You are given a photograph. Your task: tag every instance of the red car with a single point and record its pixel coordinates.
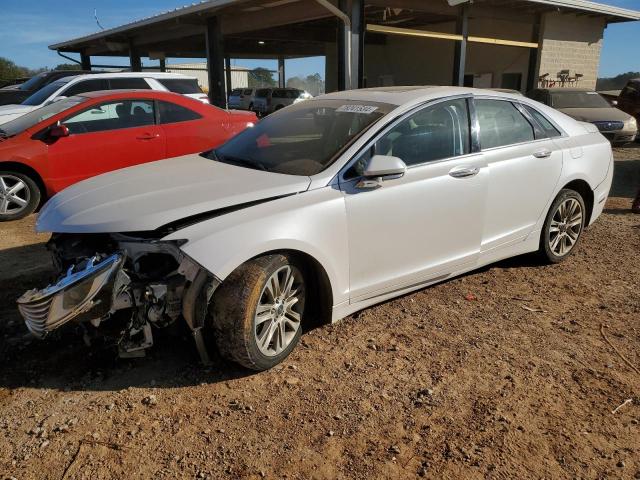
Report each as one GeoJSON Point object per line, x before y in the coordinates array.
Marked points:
{"type": "Point", "coordinates": [64, 142]}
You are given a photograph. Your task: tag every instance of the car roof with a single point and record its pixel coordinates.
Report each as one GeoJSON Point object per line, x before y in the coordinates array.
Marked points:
{"type": "Point", "coordinates": [131, 93]}
{"type": "Point", "coordinates": [401, 95]}
{"type": "Point", "coordinates": [158, 75]}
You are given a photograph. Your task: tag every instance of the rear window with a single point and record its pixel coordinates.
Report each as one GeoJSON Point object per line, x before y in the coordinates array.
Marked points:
{"type": "Point", "coordinates": [41, 95]}
{"type": "Point", "coordinates": [262, 93]}
{"type": "Point", "coordinates": [172, 113]}
{"type": "Point", "coordinates": [129, 84]}
{"type": "Point", "coordinates": [184, 86]}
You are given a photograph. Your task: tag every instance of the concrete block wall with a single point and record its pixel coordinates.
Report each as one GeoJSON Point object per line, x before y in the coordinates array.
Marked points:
{"type": "Point", "coordinates": [571, 42]}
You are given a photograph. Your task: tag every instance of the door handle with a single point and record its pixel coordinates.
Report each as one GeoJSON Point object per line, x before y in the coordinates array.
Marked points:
{"type": "Point", "coordinates": [147, 136]}
{"type": "Point", "coordinates": [544, 153]}
{"type": "Point", "coordinates": [463, 172]}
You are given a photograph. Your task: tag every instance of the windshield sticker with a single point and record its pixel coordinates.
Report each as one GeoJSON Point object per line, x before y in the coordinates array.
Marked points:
{"type": "Point", "coordinates": [366, 109]}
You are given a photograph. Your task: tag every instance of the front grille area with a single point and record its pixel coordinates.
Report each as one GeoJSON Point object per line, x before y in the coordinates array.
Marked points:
{"type": "Point", "coordinates": [606, 126]}
{"type": "Point", "coordinates": [35, 316]}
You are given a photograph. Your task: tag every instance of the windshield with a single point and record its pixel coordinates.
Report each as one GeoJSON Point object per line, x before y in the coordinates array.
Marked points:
{"type": "Point", "coordinates": [41, 95]}
{"type": "Point", "coordinates": [32, 82]}
{"type": "Point", "coordinates": [578, 100]}
{"type": "Point", "coordinates": [38, 115]}
{"type": "Point", "coordinates": [303, 139]}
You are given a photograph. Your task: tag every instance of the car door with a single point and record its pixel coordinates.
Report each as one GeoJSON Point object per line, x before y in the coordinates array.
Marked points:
{"type": "Point", "coordinates": [187, 131]}
{"type": "Point", "coordinates": [105, 137]}
{"type": "Point", "coordinates": [524, 166]}
{"type": "Point", "coordinates": [427, 223]}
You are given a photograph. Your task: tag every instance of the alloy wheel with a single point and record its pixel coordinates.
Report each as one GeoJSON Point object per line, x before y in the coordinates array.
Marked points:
{"type": "Point", "coordinates": [14, 195]}
{"type": "Point", "coordinates": [565, 228]}
{"type": "Point", "coordinates": [279, 312]}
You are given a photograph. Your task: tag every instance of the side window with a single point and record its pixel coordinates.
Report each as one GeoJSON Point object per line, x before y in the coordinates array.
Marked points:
{"type": "Point", "coordinates": [129, 83]}
{"type": "Point", "coordinates": [434, 133]}
{"type": "Point", "coordinates": [112, 116]}
{"type": "Point", "coordinates": [172, 113]}
{"type": "Point", "coordinates": [544, 122]}
{"type": "Point", "coordinates": [502, 124]}
{"type": "Point", "coordinates": [86, 86]}
{"type": "Point", "coordinates": [248, 91]}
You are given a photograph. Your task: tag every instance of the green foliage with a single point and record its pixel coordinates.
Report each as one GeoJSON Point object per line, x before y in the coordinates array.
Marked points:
{"type": "Point", "coordinates": [616, 83]}
{"type": "Point", "coordinates": [67, 66]}
{"type": "Point", "coordinates": [261, 78]}
{"type": "Point", "coordinates": [10, 71]}
{"type": "Point", "coordinates": [311, 83]}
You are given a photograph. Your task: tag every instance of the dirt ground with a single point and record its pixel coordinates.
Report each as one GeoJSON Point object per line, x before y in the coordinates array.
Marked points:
{"type": "Point", "coordinates": [503, 373]}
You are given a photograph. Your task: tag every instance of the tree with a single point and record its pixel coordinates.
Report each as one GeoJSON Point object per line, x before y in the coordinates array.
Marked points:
{"type": "Point", "coordinates": [10, 71]}
{"type": "Point", "coordinates": [311, 83]}
{"type": "Point", "coordinates": [616, 83]}
{"type": "Point", "coordinates": [67, 66]}
{"type": "Point", "coordinates": [261, 77]}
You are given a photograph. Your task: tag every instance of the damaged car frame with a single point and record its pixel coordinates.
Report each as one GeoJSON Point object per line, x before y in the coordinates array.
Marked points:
{"type": "Point", "coordinates": [322, 209]}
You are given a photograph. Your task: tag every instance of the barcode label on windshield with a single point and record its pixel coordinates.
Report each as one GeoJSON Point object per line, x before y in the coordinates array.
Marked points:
{"type": "Point", "coordinates": [357, 109]}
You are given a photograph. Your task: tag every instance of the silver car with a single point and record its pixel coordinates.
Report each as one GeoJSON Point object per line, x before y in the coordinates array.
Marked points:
{"type": "Point", "coordinates": [242, 98]}
{"type": "Point", "coordinates": [320, 210]}
{"type": "Point", "coordinates": [268, 100]}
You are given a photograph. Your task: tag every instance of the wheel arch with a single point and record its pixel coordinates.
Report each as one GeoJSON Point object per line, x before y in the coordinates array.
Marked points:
{"type": "Point", "coordinates": [584, 189]}
{"type": "Point", "coordinates": [320, 284]}
{"type": "Point", "coordinates": [26, 170]}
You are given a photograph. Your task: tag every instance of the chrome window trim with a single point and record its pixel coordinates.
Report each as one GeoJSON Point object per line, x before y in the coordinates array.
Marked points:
{"type": "Point", "coordinates": [398, 119]}
{"type": "Point", "coordinates": [563, 134]}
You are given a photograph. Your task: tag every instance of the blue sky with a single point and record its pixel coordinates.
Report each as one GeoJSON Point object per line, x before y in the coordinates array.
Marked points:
{"type": "Point", "coordinates": [27, 27]}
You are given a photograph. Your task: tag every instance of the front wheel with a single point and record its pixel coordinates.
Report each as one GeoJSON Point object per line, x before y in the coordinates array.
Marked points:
{"type": "Point", "coordinates": [19, 196]}
{"type": "Point", "coordinates": [563, 226]}
{"type": "Point", "coordinates": [258, 310]}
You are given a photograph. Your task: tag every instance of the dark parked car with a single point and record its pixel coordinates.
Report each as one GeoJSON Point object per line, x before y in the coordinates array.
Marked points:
{"type": "Point", "coordinates": [589, 106]}
{"type": "Point", "coordinates": [629, 98]}
{"type": "Point", "coordinates": [15, 94]}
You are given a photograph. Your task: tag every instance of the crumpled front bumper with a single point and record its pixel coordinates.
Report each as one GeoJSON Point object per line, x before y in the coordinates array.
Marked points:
{"type": "Point", "coordinates": [74, 294]}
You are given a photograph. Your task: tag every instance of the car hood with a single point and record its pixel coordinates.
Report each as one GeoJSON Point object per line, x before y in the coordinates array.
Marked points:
{"type": "Point", "coordinates": [147, 197]}
{"type": "Point", "coordinates": [596, 114]}
{"type": "Point", "coordinates": [9, 112]}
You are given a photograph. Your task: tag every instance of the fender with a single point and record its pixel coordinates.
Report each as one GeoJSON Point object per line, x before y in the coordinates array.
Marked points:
{"type": "Point", "coordinates": [312, 222]}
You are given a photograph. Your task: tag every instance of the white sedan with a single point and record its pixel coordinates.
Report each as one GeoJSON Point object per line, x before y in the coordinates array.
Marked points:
{"type": "Point", "coordinates": [322, 209]}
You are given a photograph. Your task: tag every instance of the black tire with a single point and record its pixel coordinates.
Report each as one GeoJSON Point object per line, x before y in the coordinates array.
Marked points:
{"type": "Point", "coordinates": [547, 246]}
{"type": "Point", "coordinates": [30, 193]}
{"type": "Point", "coordinates": [233, 313]}
{"type": "Point", "coordinates": [279, 107]}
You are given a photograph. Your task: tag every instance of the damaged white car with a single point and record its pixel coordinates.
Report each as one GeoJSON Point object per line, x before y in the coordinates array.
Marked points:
{"type": "Point", "coordinates": [322, 209]}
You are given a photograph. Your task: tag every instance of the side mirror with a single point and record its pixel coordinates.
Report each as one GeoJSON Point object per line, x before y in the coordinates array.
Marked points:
{"type": "Point", "coordinates": [379, 168]}
{"type": "Point", "coordinates": [59, 131]}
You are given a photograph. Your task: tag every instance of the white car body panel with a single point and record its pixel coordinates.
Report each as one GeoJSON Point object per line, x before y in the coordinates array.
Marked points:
{"type": "Point", "coordinates": [411, 232]}
{"type": "Point", "coordinates": [146, 197]}
{"type": "Point", "coordinates": [11, 112]}
{"type": "Point", "coordinates": [390, 226]}
{"type": "Point", "coordinates": [313, 223]}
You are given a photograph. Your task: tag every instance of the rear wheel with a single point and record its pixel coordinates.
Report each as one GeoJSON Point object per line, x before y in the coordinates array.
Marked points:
{"type": "Point", "coordinates": [19, 196]}
{"type": "Point", "coordinates": [258, 310]}
{"type": "Point", "coordinates": [563, 226]}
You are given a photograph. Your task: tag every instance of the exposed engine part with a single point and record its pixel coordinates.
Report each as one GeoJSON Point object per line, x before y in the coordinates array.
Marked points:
{"type": "Point", "coordinates": [147, 283]}
{"type": "Point", "coordinates": [136, 343]}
